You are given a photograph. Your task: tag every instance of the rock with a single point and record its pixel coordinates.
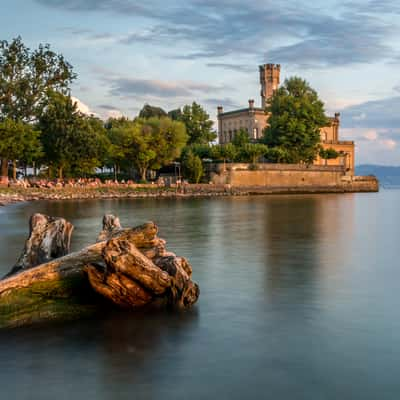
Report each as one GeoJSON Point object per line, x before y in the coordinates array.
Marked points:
{"type": "Point", "coordinates": [131, 269]}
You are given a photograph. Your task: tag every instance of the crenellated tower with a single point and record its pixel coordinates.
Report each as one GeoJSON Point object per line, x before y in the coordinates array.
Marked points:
{"type": "Point", "coordinates": [269, 79]}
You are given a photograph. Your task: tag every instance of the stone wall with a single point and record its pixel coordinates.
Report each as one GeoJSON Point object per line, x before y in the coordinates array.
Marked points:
{"type": "Point", "coordinates": [291, 177]}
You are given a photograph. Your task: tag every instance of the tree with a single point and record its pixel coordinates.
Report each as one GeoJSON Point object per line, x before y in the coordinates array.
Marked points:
{"type": "Point", "coordinates": [224, 152]}
{"type": "Point", "coordinates": [204, 151]}
{"type": "Point", "coordinates": [253, 151]}
{"type": "Point", "coordinates": [198, 124]}
{"type": "Point", "coordinates": [328, 154]}
{"type": "Point", "coordinates": [72, 142]}
{"type": "Point", "coordinates": [119, 140]}
{"type": "Point", "coordinates": [241, 138]}
{"type": "Point", "coordinates": [148, 143]}
{"type": "Point", "coordinates": [18, 141]}
{"type": "Point", "coordinates": [277, 155]}
{"type": "Point", "coordinates": [175, 114]}
{"type": "Point", "coordinates": [296, 116]}
{"type": "Point", "coordinates": [192, 167]}
{"type": "Point", "coordinates": [26, 79]}
{"type": "Point", "coordinates": [169, 138]}
{"type": "Point", "coordinates": [92, 145]}
{"type": "Point", "coordinates": [149, 111]}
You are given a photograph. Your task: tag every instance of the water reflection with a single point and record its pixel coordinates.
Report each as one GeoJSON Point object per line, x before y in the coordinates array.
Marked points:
{"type": "Point", "coordinates": [292, 244]}
{"type": "Point", "coordinates": [298, 300]}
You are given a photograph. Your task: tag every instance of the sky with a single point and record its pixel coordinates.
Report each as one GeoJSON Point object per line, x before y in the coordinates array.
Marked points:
{"type": "Point", "coordinates": [128, 53]}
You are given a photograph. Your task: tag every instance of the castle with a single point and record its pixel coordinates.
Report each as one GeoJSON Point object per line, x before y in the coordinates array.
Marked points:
{"type": "Point", "coordinates": [254, 120]}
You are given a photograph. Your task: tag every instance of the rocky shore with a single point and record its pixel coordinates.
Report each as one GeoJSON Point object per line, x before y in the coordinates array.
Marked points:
{"type": "Point", "coordinates": [15, 195]}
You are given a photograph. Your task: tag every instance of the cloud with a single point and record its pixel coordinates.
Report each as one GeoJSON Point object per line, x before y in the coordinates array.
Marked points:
{"type": "Point", "coordinates": [389, 144]}
{"type": "Point", "coordinates": [303, 36]}
{"type": "Point", "coordinates": [109, 111]}
{"type": "Point", "coordinates": [225, 102]}
{"type": "Point", "coordinates": [371, 135]}
{"type": "Point", "coordinates": [107, 107]}
{"type": "Point", "coordinates": [360, 117]}
{"type": "Point", "coordinates": [374, 146]}
{"type": "Point", "coordinates": [383, 113]}
{"type": "Point", "coordinates": [375, 6]}
{"type": "Point", "coordinates": [129, 87]}
{"type": "Point", "coordinates": [115, 6]}
{"type": "Point", "coordinates": [232, 67]}
{"type": "Point", "coordinates": [337, 41]}
{"type": "Point", "coordinates": [82, 107]}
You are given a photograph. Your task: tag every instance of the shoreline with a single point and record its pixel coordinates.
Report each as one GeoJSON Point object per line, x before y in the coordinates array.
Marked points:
{"type": "Point", "coordinates": [12, 195]}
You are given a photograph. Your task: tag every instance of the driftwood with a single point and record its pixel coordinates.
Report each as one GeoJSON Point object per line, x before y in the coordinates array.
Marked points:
{"type": "Point", "coordinates": [131, 268]}
{"type": "Point", "coordinates": [49, 238]}
{"type": "Point", "coordinates": [111, 227]}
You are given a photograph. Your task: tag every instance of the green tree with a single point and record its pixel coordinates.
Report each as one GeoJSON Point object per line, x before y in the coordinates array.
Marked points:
{"type": "Point", "coordinates": [224, 152]}
{"type": "Point", "coordinates": [119, 138]}
{"type": "Point", "coordinates": [18, 141]}
{"type": "Point", "coordinates": [202, 150]}
{"type": "Point", "coordinates": [26, 79]}
{"type": "Point", "coordinates": [94, 152]}
{"type": "Point", "coordinates": [72, 142]}
{"type": "Point", "coordinates": [296, 116]}
{"type": "Point", "coordinates": [198, 124]}
{"type": "Point", "coordinates": [192, 167]}
{"type": "Point", "coordinates": [328, 154]}
{"type": "Point", "coordinates": [277, 155]}
{"type": "Point", "coordinates": [148, 143]}
{"type": "Point", "coordinates": [253, 151]}
{"type": "Point", "coordinates": [175, 115]}
{"type": "Point", "coordinates": [149, 111]}
{"type": "Point", "coordinates": [241, 138]}
{"type": "Point", "coordinates": [170, 138]}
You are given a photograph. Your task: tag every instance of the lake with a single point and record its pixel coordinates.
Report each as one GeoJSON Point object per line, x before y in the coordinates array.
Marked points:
{"type": "Point", "coordinates": [299, 300]}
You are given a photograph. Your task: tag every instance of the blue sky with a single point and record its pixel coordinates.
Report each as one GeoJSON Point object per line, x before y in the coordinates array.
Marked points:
{"type": "Point", "coordinates": [170, 53]}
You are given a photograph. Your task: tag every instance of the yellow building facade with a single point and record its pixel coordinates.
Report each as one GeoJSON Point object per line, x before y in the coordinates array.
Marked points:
{"type": "Point", "coordinates": [254, 120]}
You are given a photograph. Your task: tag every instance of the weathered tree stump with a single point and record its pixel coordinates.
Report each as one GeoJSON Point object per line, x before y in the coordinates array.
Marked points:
{"type": "Point", "coordinates": [130, 269]}
{"type": "Point", "coordinates": [111, 227]}
{"type": "Point", "coordinates": [49, 238]}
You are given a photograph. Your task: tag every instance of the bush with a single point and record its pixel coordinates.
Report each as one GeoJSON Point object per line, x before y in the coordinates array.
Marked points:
{"type": "Point", "coordinates": [192, 167]}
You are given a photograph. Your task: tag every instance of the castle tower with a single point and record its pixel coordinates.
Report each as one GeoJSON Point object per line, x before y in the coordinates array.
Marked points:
{"type": "Point", "coordinates": [269, 79]}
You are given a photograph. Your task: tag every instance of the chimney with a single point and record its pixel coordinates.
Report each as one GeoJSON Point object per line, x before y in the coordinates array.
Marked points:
{"type": "Point", "coordinates": [251, 103]}
{"type": "Point", "coordinates": [337, 115]}
{"type": "Point", "coordinates": [220, 109]}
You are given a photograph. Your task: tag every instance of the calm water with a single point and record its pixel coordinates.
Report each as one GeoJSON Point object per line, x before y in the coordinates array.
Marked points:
{"type": "Point", "coordinates": [299, 300]}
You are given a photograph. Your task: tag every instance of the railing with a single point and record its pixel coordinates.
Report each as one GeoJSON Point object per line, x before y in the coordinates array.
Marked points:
{"type": "Point", "coordinates": [348, 142]}
{"type": "Point", "coordinates": [274, 167]}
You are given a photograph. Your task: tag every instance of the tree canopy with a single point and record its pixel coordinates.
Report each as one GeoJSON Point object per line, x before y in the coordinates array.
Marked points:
{"type": "Point", "coordinates": [149, 111]}
{"type": "Point", "coordinates": [148, 143]}
{"type": "Point", "coordinates": [296, 116]}
{"type": "Point", "coordinates": [72, 141]}
{"type": "Point", "coordinates": [198, 124]}
{"type": "Point", "coordinates": [241, 138]}
{"type": "Point", "coordinates": [19, 141]}
{"type": "Point", "coordinates": [192, 166]}
{"type": "Point", "coordinates": [27, 77]}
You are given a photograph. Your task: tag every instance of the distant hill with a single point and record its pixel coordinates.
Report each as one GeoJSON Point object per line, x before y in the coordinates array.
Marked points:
{"type": "Point", "coordinates": [388, 176]}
